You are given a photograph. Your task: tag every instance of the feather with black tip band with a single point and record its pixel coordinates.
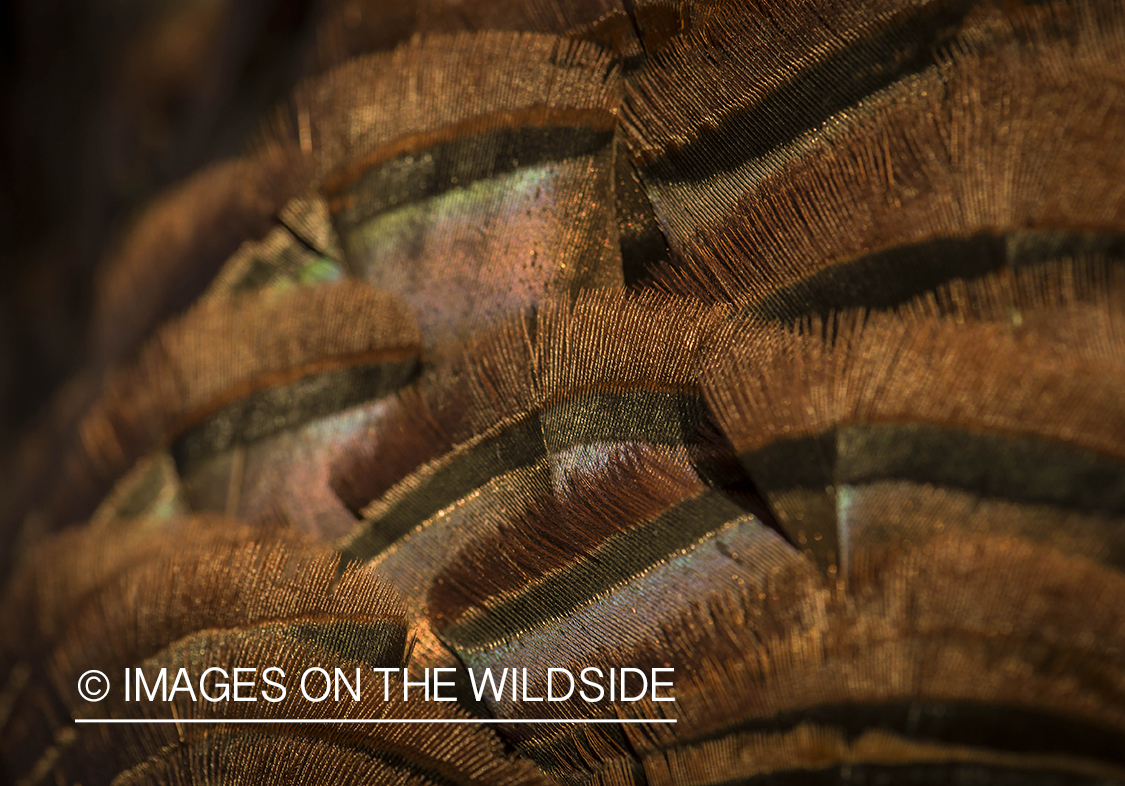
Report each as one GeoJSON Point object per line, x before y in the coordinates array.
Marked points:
{"type": "Point", "coordinates": [858, 481]}
{"type": "Point", "coordinates": [492, 172]}
{"type": "Point", "coordinates": [538, 405]}
{"type": "Point", "coordinates": [229, 374]}
{"type": "Point", "coordinates": [590, 577]}
{"type": "Point", "coordinates": [200, 594]}
{"type": "Point", "coordinates": [957, 661]}
{"type": "Point", "coordinates": [1009, 420]}
{"type": "Point", "coordinates": [879, 153]}
{"type": "Point", "coordinates": [153, 273]}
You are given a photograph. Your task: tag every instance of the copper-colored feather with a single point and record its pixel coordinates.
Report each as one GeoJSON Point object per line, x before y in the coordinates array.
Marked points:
{"type": "Point", "coordinates": [778, 344]}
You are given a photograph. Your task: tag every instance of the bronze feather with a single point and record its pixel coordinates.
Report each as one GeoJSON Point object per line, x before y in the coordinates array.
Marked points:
{"type": "Point", "coordinates": [777, 346]}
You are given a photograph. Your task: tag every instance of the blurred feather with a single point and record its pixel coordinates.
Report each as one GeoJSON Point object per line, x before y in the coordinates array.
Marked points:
{"type": "Point", "coordinates": [777, 344]}
{"type": "Point", "coordinates": [228, 374]}
{"type": "Point", "coordinates": [196, 594]}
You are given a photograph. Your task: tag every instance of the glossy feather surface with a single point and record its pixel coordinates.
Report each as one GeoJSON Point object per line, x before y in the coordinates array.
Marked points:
{"type": "Point", "coordinates": [780, 345]}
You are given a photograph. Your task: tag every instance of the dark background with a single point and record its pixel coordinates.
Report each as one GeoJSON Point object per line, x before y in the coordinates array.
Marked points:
{"type": "Point", "coordinates": [107, 102]}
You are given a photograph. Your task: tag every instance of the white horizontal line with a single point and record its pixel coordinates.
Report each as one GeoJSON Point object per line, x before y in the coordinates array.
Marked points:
{"type": "Point", "coordinates": [371, 720]}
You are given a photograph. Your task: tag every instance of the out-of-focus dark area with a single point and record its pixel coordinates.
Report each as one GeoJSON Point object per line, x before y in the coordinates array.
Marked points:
{"type": "Point", "coordinates": [106, 103]}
